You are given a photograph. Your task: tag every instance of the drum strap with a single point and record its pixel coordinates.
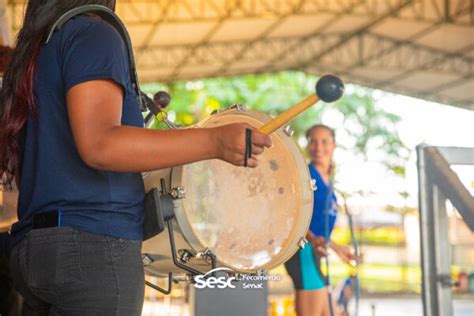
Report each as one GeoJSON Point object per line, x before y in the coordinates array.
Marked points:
{"type": "Point", "coordinates": [354, 245]}
{"type": "Point", "coordinates": [108, 15]}
{"type": "Point", "coordinates": [326, 244]}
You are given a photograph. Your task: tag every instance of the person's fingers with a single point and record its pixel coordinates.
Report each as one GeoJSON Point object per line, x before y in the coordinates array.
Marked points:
{"type": "Point", "coordinates": [238, 160]}
{"type": "Point", "coordinates": [261, 140]}
{"type": "Point", "coordinates": [252, 162]}
{"type": "Point", "coordinates": [349, 254]}
{"type": "Point", "coordinates": [256, 150]}
{"type": "Point", "coordinates": [319, 241]}
{"type": "Point", "coordinates": [320, 249]}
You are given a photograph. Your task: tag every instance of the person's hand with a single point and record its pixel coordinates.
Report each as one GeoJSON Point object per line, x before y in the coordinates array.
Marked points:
{"type": "Point", "coordinates": [319, 247]}
{"type": "Point", "coordinates": [230, 144]}
{"type": "Point", "coordinates": [345, 253]}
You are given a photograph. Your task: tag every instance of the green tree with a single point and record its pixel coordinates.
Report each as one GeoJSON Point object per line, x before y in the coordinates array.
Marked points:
{"type": "Point", "coordinates": [369, 127]}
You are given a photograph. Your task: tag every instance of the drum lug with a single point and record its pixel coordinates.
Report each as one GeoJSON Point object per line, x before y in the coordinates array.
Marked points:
{"type": "Point", "coordinates": [289, 131]}
{"type": "Point", "coordinates": [215, 112]}
{"type": "Point", "coordinates": [178, 193]}
{"type": "Point", "coordinates": [200, 255]}
{"type": "Point", "coordinates": [146, 260]}
{"type": "Point", "coordinates": [302, 242]}
{"type": "Point", "coordinates": [185, 255]}
{"type": "Point", "coordinates": [312, 184]}
{"type": "Point", "coordinates": [205, 255]}
{"type": "Point", "coordinates": [238, 107]}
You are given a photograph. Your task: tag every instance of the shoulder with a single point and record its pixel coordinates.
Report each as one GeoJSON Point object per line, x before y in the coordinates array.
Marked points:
{"type": "Point", "coordinates": [89, 48]}
{"type": "Point", "coordinates": [92, 29]}
{"type": "Point", "coordinates": [84, 23]}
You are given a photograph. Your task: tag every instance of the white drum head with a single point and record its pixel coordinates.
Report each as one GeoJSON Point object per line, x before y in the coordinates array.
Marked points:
{"type": "Point", "coordinates": [245, 216]}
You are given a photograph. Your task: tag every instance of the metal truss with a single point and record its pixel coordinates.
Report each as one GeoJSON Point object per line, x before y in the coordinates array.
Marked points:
{"type": "Point", "coordinates": [391, 54]}
{"type": "Point", "coordinates": [364, 49]}
{"type": "Point", "coordinates": [406, 53]}
{"type": "Point", "coordinates": [432, 95]}
{"type": "Point", "coordinates": [340, 53]}
{"type": "Point", "coordinates": [403, 58]}
{"type": "Point", "coordinates": [146, 12]}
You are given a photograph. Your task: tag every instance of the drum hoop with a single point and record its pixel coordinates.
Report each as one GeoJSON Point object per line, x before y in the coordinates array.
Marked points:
{"type": "Point", "coordinates": [291, 244]}
{"type": "Point", "coordinates": [180, 213]}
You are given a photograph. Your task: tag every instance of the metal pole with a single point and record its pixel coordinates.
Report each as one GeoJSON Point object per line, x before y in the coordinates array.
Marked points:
{"type": "Point", "coordinates": [427, 272]}
{"type": "Point", "coordinates": [441, 174]}
{"type": "Point", "coordinates": [437, 183]}
{"type": "Point", "coordinates": [442, 254]}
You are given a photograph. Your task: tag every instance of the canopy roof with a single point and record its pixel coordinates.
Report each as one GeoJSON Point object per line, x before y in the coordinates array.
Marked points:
{"type": "Point", "coordinates": [420, 48]}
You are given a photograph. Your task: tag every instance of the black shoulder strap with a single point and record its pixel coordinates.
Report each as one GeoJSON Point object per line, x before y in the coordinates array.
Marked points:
{"type": "Point", "coordinates": [112, 18]}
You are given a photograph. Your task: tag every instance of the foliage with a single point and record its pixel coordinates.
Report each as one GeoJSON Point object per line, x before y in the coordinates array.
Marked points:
{"type": "Point", "coordinates": [383, 236]}
{"type": "Point", "coordinates": [382, 278]}
{"type": "Point", "coordinates": [367, 126]}
{"type": "Point", "coordinates": [404, 210]}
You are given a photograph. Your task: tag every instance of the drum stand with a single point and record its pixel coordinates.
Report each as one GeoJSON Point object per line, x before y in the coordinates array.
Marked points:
{"type": "Point", "coordinates": [162, 204]}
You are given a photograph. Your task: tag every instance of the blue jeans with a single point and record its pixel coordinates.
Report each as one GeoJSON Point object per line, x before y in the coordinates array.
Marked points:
{"type": "Point", "coordinates": [64, 271]}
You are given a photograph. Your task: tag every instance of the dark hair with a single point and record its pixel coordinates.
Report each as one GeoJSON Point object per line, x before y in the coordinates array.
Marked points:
{"type": "Point", "coordinates": [17, 97]}
{"type": "Point", "coordinates": [330, 130]}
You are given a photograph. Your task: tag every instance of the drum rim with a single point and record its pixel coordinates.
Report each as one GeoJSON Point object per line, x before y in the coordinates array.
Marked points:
{"type": "Point", "coordinates": [293, 243]}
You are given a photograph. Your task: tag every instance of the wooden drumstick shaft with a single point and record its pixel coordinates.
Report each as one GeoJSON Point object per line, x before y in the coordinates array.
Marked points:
{"type": "Point", "coordinates": [288, 115]}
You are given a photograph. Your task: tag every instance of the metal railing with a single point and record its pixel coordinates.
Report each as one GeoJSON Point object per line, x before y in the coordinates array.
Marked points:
{"type": "Point", "coordinates": [437, 183]}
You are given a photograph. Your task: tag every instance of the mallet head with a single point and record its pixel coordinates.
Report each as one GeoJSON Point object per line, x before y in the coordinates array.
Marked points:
{"type": "Point", "coordinates": [162, 99]}
{"type": "Point", "coordinates": [329, 88]}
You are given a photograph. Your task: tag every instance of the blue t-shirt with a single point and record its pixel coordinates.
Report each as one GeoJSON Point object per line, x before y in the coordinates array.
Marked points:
{"type": "Point", "coordinates": [325, 202]}
{"type": "Point", "coordinates": [53, 175]}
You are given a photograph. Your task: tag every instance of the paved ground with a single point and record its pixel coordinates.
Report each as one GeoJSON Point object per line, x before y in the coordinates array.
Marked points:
{"type": "Point", "coordinates": [407, 307]}
{"type": "Point", "coordinates": [396, 306]}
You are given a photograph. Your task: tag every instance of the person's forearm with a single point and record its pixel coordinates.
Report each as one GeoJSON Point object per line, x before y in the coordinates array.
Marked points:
{"type": "Point", "coordinates": [310, 236]}
{"type": "Point", "coordinates": [132, 149]}
{"type": "Point", "coordinates": [334, 246]}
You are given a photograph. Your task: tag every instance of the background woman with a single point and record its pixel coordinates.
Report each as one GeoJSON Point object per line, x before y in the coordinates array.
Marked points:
{"type": "Point", "coordinates": [304, 266]}
{"type": "Point", "coordinates": [72, 136]}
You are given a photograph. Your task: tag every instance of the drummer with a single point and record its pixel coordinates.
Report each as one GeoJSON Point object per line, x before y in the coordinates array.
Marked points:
{"type": "Point", "coordinates": [72, 137]}
{"type": "Point", "coordinates": [305, 266]}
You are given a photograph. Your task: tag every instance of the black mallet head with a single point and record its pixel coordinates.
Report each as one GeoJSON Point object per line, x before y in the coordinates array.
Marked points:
{"type": "Point", "coordinates": [162, 99]}
{"type": "Point", "coordinates": [329, 88]}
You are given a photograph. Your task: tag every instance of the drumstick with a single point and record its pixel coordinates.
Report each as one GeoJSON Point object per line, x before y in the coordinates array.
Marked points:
{"type": "Point", "coordinates": [329, 89]}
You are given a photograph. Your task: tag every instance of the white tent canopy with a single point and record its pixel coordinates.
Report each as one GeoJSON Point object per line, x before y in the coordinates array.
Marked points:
{"type": "Point", "coordinates": [420, 48]}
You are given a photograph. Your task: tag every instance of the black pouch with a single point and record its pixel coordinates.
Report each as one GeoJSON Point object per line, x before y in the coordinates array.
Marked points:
{"type": "Point", "coordinates": [46, 220]}
{"type": "Point", "coordinates": [153, 221]}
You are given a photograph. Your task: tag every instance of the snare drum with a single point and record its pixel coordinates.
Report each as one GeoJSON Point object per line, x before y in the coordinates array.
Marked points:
{"type": "Point", "coordinates": [250, 219]}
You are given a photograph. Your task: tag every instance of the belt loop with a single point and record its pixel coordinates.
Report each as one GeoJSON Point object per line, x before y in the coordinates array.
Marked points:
{"type": "Point", "coordinates": [60, 211]}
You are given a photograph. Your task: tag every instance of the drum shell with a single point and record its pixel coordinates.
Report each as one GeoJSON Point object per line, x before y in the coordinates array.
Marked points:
{"type": "Point", "coordinates": [158, 247]}
{"type": "Point", "coordinates": [184, 237]}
